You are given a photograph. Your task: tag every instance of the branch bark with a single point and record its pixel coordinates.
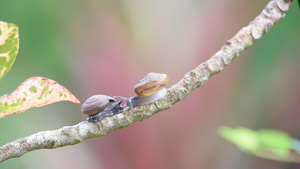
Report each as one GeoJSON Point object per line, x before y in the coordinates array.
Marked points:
{"type": "Point", "coordinates": [70, 135]}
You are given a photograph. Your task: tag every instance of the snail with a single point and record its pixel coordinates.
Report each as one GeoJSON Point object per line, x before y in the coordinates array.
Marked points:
{"type": "Point", "coordinates": [148, 90]}
{"type": "Point", "coordinates": [99, 106]}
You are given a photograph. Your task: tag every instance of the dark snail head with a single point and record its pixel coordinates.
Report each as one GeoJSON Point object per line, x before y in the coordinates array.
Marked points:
{"type": "Point", "coordinates": [99, 106]}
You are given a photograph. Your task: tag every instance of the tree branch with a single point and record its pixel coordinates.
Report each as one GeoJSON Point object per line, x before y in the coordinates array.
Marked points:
{"type": "Point", "coordinates": [232, 48]}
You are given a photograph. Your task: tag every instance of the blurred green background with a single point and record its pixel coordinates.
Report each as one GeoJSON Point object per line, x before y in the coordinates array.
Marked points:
{"type": "Point", "coordinates": [105, 47]}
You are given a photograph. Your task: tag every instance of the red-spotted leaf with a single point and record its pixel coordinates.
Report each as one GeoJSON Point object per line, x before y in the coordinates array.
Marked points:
{"type": "Point", "coordinates": [34, 92]}
{"type": "Point", "coordinates": [9, 46]}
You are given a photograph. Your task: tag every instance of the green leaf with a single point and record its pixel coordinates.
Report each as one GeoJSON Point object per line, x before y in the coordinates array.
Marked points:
{"type": "Point", "coordinates": [9, 46]}
{"type": "Point", "coordinates": [34, 92]}
{"type": "Point", "coordinates": [245, 139]}
{"type": "Point", "coordinates": [274, 139]}
{"type": "Point", "coordinates": [265, 143]}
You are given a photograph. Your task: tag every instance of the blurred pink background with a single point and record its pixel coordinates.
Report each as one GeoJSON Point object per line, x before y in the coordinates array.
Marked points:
{"type": "Point", "coordinates": [105, 47]}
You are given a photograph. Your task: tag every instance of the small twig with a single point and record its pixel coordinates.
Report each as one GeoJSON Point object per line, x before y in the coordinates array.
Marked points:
{"type": "Point", "coordinates": [71, 135]}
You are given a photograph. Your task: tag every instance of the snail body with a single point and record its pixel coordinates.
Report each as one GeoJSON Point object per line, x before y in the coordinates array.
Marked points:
{"type": "Point", "coordinates": [148, 90]}
{"type": "Point", "coordinates": [98, 107]}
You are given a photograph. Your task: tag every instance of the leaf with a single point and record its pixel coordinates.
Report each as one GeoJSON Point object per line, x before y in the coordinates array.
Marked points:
{"type": "Point", "coordinates": [9, 46]}
{"type": "Point", "coordinates": [34, 92]}
{"type": "Point", "coordinates": [265, 143]}
{"type": "Point", "coordinates": [274, 139]}
{"type": "Point", "coordinates": [245, 139]}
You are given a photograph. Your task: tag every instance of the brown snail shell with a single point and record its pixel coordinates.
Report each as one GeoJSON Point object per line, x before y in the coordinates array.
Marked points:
{"type": "Point", "coordinates": [96, 103]}
{"type": "Point", "coordinates": [98, 107]}
{"type": "Point", "coordinates": [150, 84]}
{"type": "Point", "coordinates": [148, 90]}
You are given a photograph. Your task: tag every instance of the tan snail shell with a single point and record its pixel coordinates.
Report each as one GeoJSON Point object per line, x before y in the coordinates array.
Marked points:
{"type": "Point", "coordinates": [150, 84]}
{"type": "Point", "coordinates": [99, 106]}
{"type": "Point", "coordinates": [148, 90]}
